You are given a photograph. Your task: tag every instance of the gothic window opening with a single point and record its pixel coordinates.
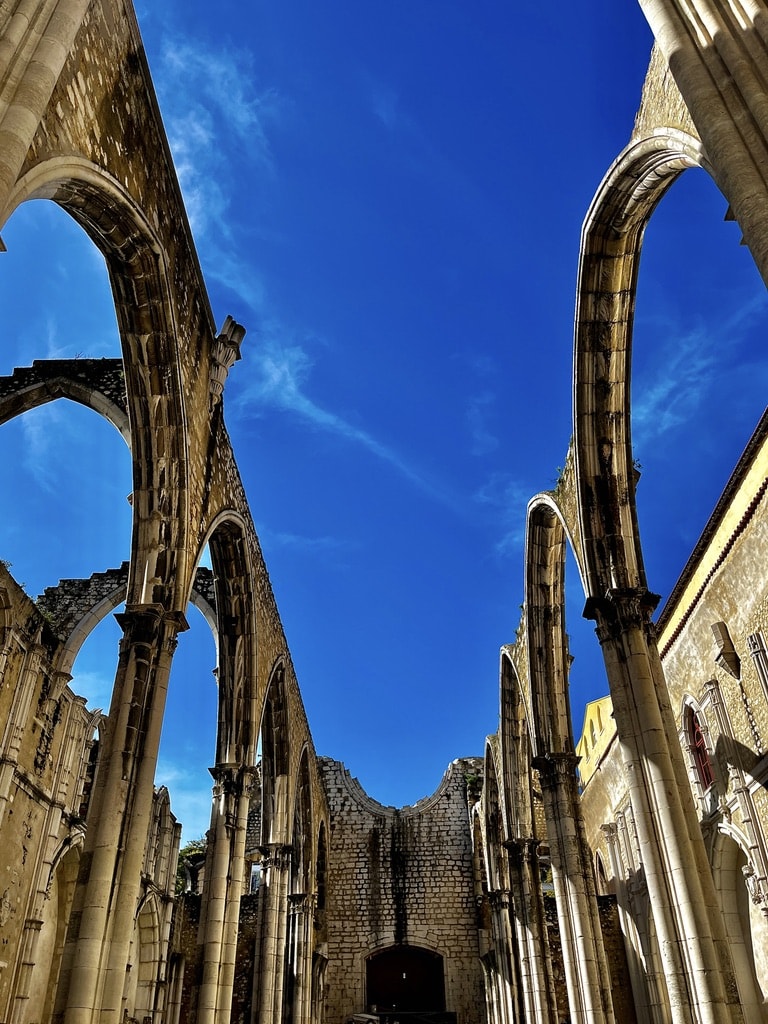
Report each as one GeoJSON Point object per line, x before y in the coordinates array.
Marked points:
{"type": "Point", "coordinates": [699, 749]}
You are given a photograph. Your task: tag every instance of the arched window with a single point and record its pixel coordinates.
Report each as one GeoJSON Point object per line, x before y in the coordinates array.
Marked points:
{"type": "Point", "coordinates": [698, 746]}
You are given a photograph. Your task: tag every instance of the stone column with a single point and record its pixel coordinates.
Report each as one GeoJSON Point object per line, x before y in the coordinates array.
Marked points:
{"type": "Point", "coordinates": [503, 941]}
{"type": "Point", "coordinates": [29, 939]}
{"type": "Point", "coordinates": [536, 981]}
{"type": "Point", "coordinates": [302, 911]}
{"type": "Point", "coordinates": [37, 40]}
{"type": "Point", "coordinates": [688, 924]}
{"type": "Point", "coordinates": [647, 1010]}
{"type": "Point", "coordinates": [119, 819]}
{"type": "Point", "coordinates": [586, 968]}
{"type": "Point", "coordinates": [222, 889]}
{"type": "Point", "coordinates": [270, 962]}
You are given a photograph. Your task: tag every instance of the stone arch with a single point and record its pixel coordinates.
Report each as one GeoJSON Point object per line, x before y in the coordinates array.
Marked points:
{"type": "Point", "coordinates": [89, 382]}
{"type": "Point", "coordinates": [610, 252]}
{"type": "Point", "coordinates": [745, 922]}
{"type": "Point", "coordinates": [236, 639]}
{"type": "Point", "coordinates": [148, 325]}
{"type": "Point", "coordinates": [584, 961]}
{"type": "Point", "coordinates": [160, 862]}
{"type": "Point", "coordinates": [145, 958]}
{"type": "Point", "coordinates": [494, 821]}
{"type": "Point", "coordinates": [60, 892]}
{"type": "Point", "coordinates": [515, 742]}
{"type": "Point", "coordinates": [302, 833]}
{"type": "Point", "coordinates": [76, 607]}
{"type": "Point", "coordinates": [272, 967]}
{"type": "Point", "coordinates": [686, 916]}
{"type": "Point", "coordinates": [275, 758]}
{"type": "Point", "coordinates": [405, 978]}
{"type": "Point", "coordinates": [321, 867]}
{"type": "Point", "coordinates": [547, 641]}
{"type": "Point", "coordinates": [480, 873]}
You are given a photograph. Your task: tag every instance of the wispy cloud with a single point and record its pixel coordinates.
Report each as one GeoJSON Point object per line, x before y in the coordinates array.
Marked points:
{"type": "Point", "coordinates": [210, 95]}
{"type": "Point", "coordinates": [224, 86]}
{"type": "Point", "coordinates": [507, 497]}
{"type": "Point", "coordinates": [690, 364]}
{"type": "Point", "coordinates": [483, 441]}
{"type": "Point", "coordinates": [303, 543]}
{"type": "Point", "coordinates": [42, 432]}
{"type": "Point", "coordinates": [277, 378]}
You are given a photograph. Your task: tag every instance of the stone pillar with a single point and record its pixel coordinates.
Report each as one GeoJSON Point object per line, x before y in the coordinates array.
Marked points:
{"type": "Point", "coordinates": [648, 1011]}
{"type": "Point", "coordinates": [222, 890]}
{"type": "Point", "coordinates": [757, 880]}
{"type": "Point", "coordinates": [302, 912]}
{"type": "Point", "coordinates": [584, 961]}
{"type": "Point", "coordinates": [270, 961]}
{"type": "Point", "coordinates": [119, 820]}
{"type": "Point", "coordinates": [37, 40]}
{"type": "Point", "coordinates": [695, 959]}
{"type": "Point", "coordinates": [503, 941]}
{"type": "Point", "coordinates": [29, 940]}
{"type": "Point", "coordinates": [536, 981]}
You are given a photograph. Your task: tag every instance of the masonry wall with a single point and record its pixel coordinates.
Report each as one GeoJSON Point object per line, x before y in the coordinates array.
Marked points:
{"type": "Point", "coordinates": [401, 877]}
{"type": "Point", "coordinates": [45, 736]}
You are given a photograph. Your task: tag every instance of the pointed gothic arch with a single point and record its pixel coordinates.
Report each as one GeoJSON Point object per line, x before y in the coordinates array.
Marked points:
{"type": "Point", "coordinates": [683, 900]}
{"type": "Point", "coordinates": [584, 959]}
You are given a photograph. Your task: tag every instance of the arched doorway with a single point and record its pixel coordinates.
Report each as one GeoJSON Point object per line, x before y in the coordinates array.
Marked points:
{"type": "Point", "coordinates": [406, 978]}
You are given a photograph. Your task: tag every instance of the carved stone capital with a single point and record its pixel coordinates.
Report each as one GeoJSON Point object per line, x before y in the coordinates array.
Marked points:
{"type": "Point", "coordinates": [150, 626]}
{"type": "Point", "coordinates": [499, 899]}
{"type": "Point", "coordinates": [620, 610]}
{"type": "Point", "coordinates": [611, 831]}
{"type": "Point", "coordinates": [224, 354]}
{"type": "Point", "coordinates": [301, 903]}
{"type": "Point", "coordinates": [522, 851]}
{"type": "Point", "coordinates": [555, 769]}
{"type": "Point", "coordinates": [234, 780]}
{"type": "Point", "coordinates": [276, 855]}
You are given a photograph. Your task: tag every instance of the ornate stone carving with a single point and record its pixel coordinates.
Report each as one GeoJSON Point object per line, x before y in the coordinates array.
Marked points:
{"type": "Point", "coordinates": [225, 352]}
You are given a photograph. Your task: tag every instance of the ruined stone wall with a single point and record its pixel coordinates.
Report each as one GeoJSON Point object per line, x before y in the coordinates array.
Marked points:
{"type": "Point", "coordinates": [45, 738]}
{"type": "Point", "coordinates": [401, 876]}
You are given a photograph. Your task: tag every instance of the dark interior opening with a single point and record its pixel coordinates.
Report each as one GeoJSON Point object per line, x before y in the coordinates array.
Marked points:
{"type": "Point", "coordinates": [407, 979]}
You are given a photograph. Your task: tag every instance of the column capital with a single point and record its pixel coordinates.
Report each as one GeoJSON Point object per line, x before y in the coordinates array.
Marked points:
{"type": "Point", "coordinates": [522, 850]}
{"type": "Point", "coordinates": [611, 831]}
{"type": "Point", "coordinates": [276, 855]}
{"type": "Point", "coordinates": [235, 779]}
{"type": "Point", "coordinates": [142, 623]}
{"type": "Point", "coordinates": [499, 898]}
{"type": "Point", "coordinates": [555, 768]}
{"type": "Point", "coordinates": [301, 902]}
{"type": "Point", "coordinates": [620, 609]}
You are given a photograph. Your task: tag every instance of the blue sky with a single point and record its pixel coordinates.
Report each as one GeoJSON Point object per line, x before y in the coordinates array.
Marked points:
{"type": "Point", "coordinates": [389, 197]}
